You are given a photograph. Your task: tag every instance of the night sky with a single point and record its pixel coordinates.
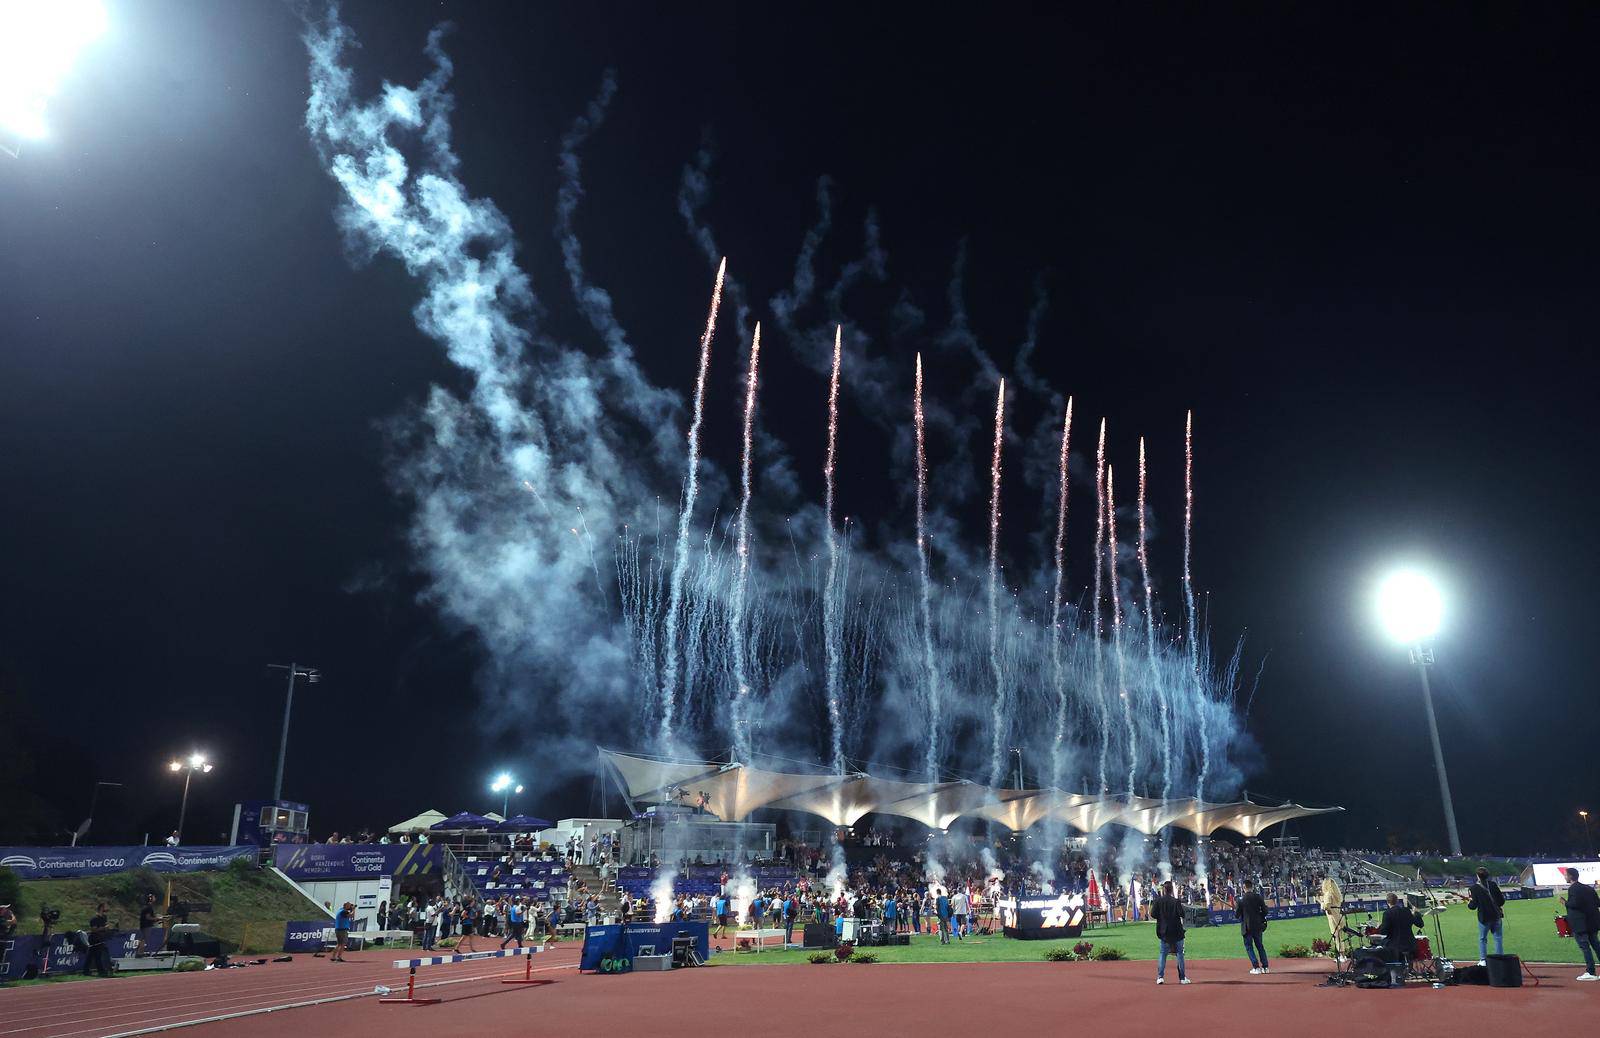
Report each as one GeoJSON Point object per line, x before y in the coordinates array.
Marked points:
{"type": "Point", "coordinates": [1359, 246]}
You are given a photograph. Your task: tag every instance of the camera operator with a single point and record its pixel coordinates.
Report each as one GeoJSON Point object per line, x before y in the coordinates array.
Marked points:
{"type": "Point", "coordinates": [149, 918]}
{"type": "Point", "coordinates": [99, 958]}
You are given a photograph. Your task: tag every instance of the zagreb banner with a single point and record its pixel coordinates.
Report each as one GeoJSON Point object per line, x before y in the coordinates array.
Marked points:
{"type": "Point", "coordinates": [301, 861]}
{"type": "Point", "coordinates": [66, 862]}
{"type": "Point", "coordinates": [1045, 918]}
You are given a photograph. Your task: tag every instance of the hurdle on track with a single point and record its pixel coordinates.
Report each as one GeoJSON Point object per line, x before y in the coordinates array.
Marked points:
{"type": "Point", "coordinates": [411, 965]}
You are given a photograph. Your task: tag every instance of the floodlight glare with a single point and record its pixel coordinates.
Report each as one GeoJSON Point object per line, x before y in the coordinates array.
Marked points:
{"type": "Point", "coordinates": [42, 42]}
{"type": "Point", "coordinates": [175, 766]}
{"type": "Point", "coordinates": [1409, 607]}
{"type": "Point", "coordinates": [501, 781]}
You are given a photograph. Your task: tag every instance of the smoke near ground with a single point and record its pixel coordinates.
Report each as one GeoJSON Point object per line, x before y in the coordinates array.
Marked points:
{"type": "Point", "coordinates": [556, 513]}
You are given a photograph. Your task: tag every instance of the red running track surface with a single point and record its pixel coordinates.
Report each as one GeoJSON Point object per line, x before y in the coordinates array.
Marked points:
{"type": "Point", "coordinates": [135, 1004]}
{"type": "Point", "coordinates": [925, 1000]}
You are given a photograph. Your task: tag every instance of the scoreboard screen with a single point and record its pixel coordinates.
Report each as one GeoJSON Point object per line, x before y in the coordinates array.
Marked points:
{"type": "Point", "coordinates": [1043, 917]}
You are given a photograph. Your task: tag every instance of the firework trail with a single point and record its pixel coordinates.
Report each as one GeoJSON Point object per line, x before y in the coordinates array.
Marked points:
{"type": "Point", "coordinates": [736, 625]}
{"type": "Point", "coordinates": [1188, 537]}
{"type": "Point", "coordinates": [680, 561]}
{"type": "Point", "coordinates": [1099, 581]}
{"type": "Point", "coordinates": [588, 542]}
{"type": "Point", "coordinates": [1150, 653]}
{"type": "Point", "coordinates": [831, 635]}
{"type": "Point", "coordinates": [1116, 632]}
{"type": "Point", "coordinates": [1000, 712]}
{"type": "Point", "coordinates": [540, 498]}
{"type": "Point", "coordinates": [926, 602]}
{"type": "Point", "coordinates": [1055, 605]}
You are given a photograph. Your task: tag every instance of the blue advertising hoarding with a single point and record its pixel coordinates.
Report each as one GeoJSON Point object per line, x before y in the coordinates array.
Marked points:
{"type": "Point", "coordinates": [312, 861]}
{"type": "Point", "coordinates": [20, 955]}
{"type": "Point", "coordinates": [66, 862]}
{"type": "Point", "coordinates": [304, 935]}
{"type": "Point", "coordinates": [623, 941]}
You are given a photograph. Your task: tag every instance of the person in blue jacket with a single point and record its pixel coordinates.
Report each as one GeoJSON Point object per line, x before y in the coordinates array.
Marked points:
{"type": "Point", "coordinates": [945, 912]}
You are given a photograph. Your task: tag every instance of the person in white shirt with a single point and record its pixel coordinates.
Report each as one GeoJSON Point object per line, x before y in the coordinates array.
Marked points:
{"type": "Point", "coordinates": [172, 841]}
{"type": "Point", "coordinates": [430, 923]}
{"type": "Point", "coordinates": [961, 907]}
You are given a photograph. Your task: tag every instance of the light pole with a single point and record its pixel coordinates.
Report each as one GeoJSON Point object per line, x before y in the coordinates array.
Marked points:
{"type": "Point", "coordinates": [1589, 841]}
{"type": "Point", "coordinates": [312, 676]}
{"type": "Point", "coordinates": [502, 784]}
{"type": "Point", "coordinates": [1410, 608]}
{"type": "Point", "coordinates": [1018, 751]}
{"type": "Point", "coordinates": [94, 798]}
{"type": "Point", "coordinates": [196, 762]}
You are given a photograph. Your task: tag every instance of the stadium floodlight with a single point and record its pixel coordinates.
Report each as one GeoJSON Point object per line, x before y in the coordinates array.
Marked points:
{"type": "Point", "coordinates": [43, 39]}
{"type": "Point", "coordinates": [502, 784]}
{"type": "Point", "coordinates": [196, 762]}
{"type": "Point", "coordinates": [1410, 609]}
{"type": "Point", "coordinates": [1409, 606]}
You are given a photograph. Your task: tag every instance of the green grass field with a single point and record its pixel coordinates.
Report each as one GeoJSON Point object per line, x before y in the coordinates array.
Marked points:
{"type": "Point", "coordinates": [1529, 931]}
{"type": "Point", "coordinates": [249, 906]}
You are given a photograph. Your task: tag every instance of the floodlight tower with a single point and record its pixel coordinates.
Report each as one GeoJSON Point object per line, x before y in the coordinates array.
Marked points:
{"type": "Point", "coordinates": [195, 762]}
{"type": "Point", "coordinates": [1410, 608]}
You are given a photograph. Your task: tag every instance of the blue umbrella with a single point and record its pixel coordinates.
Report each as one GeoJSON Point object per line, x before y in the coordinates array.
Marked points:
{"type": "Point", "coordinates": [464, 820]}
{"type": "Point", "coordinates": [521, 824]}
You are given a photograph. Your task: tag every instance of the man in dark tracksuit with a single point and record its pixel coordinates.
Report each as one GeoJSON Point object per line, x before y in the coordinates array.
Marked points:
{"type": "Point", "coordinates": [1252, 912]}
{"type": "Point", "coordinates": [1583, 917]}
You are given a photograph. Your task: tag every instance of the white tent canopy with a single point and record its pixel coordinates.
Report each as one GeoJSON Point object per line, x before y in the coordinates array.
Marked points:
{"type": "Point", "coordinates": [418, 823]}
{"type": "Point", "coordinates": [732, 791]}
{"type": "Point", "coordinates": [842, 802]}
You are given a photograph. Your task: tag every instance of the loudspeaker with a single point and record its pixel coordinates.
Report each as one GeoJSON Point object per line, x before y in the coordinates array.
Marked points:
{"type": "Point", "coordinates": [819, 935]}
{"type": "Point", "coordinates": [1505, 971]}
{"type": "Point", "coordinates": [1472, 975]}
{"type": "Point", "coordinates": [1195, 917]}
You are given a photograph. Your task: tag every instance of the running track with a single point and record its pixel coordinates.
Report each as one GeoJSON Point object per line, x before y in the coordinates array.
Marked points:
{"type": "Point", "coordinates": [926, 1000]}
{"type": "Point", "coordinates": [138, 1004]}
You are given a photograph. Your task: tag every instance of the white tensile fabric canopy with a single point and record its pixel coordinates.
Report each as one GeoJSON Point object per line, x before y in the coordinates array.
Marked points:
{"type": "Point", "coordinates": [842, 802]}
{"type": "Point", "coordinates": [737, 790]}
{"type": "Point", "coordinates": [652, 780]}
{"type": "Point", "coordinates": [418, 822]}
{"type": "Point", "coordinates": [732, 791]}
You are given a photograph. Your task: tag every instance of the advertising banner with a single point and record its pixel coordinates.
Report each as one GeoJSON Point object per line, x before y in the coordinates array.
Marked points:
{"type": "Point", "coordinates": [22, 956]}
{"type": "Point", "coordinates": [1554, 873]}
{"type": "Point", "coordinates": [310, 861]}
{"type": "Point", "coordinates": [66, 862]}
{"type": "Point", "coordinates": [623, 941]}
{"type": "Point", "coordinates": [304, 935]}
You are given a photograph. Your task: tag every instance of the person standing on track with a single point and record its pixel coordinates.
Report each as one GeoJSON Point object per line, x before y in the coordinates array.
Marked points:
{"type": "Point", "coordinates": [341, 931]}
{"type": "Point", "coordinates": [1583, 918]}
{"type": "Point", "coordinates": [1167, 911]}
{"type": "Point", "coordinates": [1332, 904]}
{"type": "Point", "coordinates": [1252, 912]}
{"type": "Point", "coordinates": [1486, 899]}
